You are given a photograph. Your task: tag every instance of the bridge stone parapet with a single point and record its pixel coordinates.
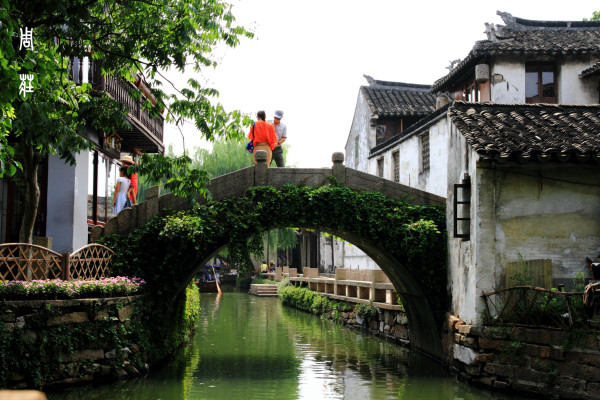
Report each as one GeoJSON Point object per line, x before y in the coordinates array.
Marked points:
{"type": "Point", "coordinates": [235, 184]}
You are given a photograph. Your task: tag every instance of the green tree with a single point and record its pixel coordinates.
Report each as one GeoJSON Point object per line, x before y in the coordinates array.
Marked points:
{"type": "Point", "coordinates": [226, 156]}
{"type": "Point", "coordinates": [137, 38]}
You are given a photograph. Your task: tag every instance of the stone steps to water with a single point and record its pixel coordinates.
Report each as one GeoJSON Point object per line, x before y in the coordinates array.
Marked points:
{"type": "Point", "coordinates": [263, 290]}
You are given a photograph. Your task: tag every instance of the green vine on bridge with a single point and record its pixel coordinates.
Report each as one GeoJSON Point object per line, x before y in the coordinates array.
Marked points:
{"type": "Point", "coordinates": [167, 249]}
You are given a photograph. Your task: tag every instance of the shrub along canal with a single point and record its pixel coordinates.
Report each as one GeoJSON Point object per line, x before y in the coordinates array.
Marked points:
{"type": "Point", "coordinates": [249, 347]}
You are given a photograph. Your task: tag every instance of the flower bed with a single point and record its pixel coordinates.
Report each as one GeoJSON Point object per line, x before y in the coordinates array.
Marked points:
{"type": "Point", "coordinates": [57, 289]}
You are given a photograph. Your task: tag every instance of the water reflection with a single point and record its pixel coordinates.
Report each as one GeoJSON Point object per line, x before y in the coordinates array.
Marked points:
{"type": "Point", "coordinates": [253, 348]}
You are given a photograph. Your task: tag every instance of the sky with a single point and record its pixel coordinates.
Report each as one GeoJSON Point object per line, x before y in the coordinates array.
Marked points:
{"type": "Point", "coordinates": [308, 59]}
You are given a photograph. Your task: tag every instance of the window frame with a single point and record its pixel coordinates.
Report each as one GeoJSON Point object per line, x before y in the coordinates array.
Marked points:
{"type": "Point", "coordinates": [380, 167]}
{"type": "Point", "coordinates": [425, 153]}
{"type": "Point", "coordinates": [95, 220]}
{"type": "Point", "coordinates": [396, 165]}
{"type": "Point", "coordinates": [540, 67]}
{"type": "Point", "coordinates": [466, 185]}
{"type": "Point", "coordinates": [389, 127]}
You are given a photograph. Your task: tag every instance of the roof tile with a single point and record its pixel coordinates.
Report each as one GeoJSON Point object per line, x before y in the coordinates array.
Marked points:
{"type": "Point", "coordinates": [525, 132]}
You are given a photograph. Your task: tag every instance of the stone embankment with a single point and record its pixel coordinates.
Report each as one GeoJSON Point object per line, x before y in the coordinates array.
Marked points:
{"type": "Point", "coordinates": [69, 341]}
{"type": "Point", "coordinates": [542, 362]}
{"type": "Point", "coordinates": [390, 325]}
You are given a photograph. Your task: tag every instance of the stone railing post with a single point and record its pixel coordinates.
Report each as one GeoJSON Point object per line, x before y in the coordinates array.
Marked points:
{"type": "Point", "coordinates": [260, 169]}
{"type": "Point", "coordinates": [339, 170]}
{"type": "Point", "coordinates": [372, 287]}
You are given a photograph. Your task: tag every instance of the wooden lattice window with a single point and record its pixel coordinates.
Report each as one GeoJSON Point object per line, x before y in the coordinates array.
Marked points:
{"type": "Point", "coordinates": [396, 161]}
{"type": "Point", "coordinates": [380, 167]}
{"type": "Point", "coordinates": [425, 152]}
{"type": "Point", "coordinates": [462, 209]}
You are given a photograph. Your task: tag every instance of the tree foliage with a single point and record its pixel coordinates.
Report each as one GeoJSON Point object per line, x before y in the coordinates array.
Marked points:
{"type": "Point", "coordinates": [226, 156]}
{"type": "Point", "coordinates": [132, 39]}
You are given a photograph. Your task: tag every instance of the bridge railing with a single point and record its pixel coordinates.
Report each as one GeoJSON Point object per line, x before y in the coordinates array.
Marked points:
{"type": "Point", "coordinates": [237, 183]}
{"type": "Point", "coordinates": [355, 286]}
{"type": "Point", "coordinates": [538, 307]}
{"type": "Point", "coordinates": [27, 262]}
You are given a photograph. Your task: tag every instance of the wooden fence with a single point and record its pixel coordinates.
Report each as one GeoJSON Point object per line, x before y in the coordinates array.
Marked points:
{"type": "Point", "coordinates": [538, 307]}
{"type": "Point", "coordinates": [26, 262]}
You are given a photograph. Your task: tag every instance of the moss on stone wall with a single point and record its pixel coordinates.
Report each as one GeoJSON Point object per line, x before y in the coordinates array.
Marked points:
{"type": "Point", "coordinates": [48, 343]}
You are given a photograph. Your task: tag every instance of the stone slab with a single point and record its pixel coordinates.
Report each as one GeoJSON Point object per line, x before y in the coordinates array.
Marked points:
{"type": "Point", "coordinates": [88, 354]}
{"type": "Point", "coordinates": [71, 318]}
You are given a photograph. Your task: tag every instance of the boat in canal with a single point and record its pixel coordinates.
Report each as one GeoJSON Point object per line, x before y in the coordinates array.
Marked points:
{"type": "Point", "coordinates": [208, 279]}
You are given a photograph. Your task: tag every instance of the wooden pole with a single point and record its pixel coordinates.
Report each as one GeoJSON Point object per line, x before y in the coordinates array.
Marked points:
{"type": "Point", "coordinates": [66, 266]}
{"type": "Point", "coordinates": [216, 279]}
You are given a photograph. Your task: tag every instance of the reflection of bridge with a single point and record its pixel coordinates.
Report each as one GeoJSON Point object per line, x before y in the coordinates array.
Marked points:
{"type": "Point", "coordinates": [424, 308]}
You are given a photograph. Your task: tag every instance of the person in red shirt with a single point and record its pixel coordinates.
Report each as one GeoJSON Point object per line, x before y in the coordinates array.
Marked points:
{"type": "Point", "coordinates": [263, 135]}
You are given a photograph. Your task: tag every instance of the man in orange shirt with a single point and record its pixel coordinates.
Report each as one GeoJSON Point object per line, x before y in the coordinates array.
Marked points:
{"type": "Point", "coordinates": [263, 136]}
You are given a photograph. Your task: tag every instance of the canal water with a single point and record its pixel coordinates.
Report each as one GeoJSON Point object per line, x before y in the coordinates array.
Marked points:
{"type": "Point", "coordinates": [254, 348]}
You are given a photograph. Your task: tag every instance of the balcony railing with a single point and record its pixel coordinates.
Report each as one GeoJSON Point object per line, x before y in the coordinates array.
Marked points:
{"type": "Point", "coordinates": [85, 70]}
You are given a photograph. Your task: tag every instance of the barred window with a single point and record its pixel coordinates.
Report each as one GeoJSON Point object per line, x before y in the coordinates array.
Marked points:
{"type": "Point", "coordinates": [380, 167]}
{"type": "Point", "coordinates": [356, 151]}
{"type": "Point", "coordinates": [396, 161]}
{"type": "Point", "coordinates": [462, 209]}
{"type": "Point", "coordinates": [425, 152]}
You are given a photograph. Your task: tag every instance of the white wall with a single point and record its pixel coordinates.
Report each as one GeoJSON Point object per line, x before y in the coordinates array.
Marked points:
{"type": "Point", "coordinates": [536, 211]}
{"type": "Point", "coordinates": [409, 148]}
{"type": "Point", "coordinates": [361, 128]}
{"type": "Point", "coordinates": [574, 90]}
{"type": "Point", "coordinates": [507, 80]}
{"type": "Point", "coordinates": [67, 203]}
{"type": "Point", "coordinates": [327, 263]}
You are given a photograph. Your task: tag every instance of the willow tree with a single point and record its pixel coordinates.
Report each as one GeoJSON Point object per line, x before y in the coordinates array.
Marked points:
{"type": "Point", "coordinates": [133, 38]}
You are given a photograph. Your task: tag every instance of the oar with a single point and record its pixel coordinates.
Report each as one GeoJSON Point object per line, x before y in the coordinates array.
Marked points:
{"type": "Point", "coordinates": [216, 279]}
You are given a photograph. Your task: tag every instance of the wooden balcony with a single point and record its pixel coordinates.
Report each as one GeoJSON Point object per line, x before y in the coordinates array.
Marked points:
{"type": "Point", "coordinates": [146, 132]}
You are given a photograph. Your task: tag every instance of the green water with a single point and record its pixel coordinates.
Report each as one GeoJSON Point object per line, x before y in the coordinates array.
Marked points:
{"type": "Point", "coordinates": [253, 348]}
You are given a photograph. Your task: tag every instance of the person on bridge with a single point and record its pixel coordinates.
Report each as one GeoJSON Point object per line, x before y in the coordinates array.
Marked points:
{"type": "Point", "coordinates": [127, 161]}
{"type": "Point", "coordinates": [121, 189]}
{"type": "Point", "coordinates": [263, 135]}
{"type": "Point", "coordinates": [281, 132]}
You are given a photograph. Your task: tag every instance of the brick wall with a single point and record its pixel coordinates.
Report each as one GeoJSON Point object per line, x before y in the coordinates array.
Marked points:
{"type": "Point", "coordinates": [537, 361]}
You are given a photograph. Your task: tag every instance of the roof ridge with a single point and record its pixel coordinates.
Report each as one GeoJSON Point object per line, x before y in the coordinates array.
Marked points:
{"type": "Point", "coordinates": [520, 24]}
{"type": "Point", "coordinates": [375, 83]}
{"type": "Point", "coordinates": [490, 104]}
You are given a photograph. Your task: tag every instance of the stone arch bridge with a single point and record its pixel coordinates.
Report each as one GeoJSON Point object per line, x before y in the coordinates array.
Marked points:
{"type": "Point", "coordinates": [424, 310]}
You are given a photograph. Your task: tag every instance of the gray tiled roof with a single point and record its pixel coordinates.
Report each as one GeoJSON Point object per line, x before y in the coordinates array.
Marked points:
{"type": "Point", "coordinates": [397, 99]}
{"type": "Point", "coordinates": [530, 132]}
{"type": "Point", "coordinates": [594, 69]}
{"type": "Point", "coordinates": [523, 37]}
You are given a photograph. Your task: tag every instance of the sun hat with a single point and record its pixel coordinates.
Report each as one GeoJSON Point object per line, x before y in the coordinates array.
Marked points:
{"type": "Point", "coordinates": [127, 159]}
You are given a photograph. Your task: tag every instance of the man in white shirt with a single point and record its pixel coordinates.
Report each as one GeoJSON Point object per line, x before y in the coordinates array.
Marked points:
{"type": "Point", "coordinates": [281, 132]}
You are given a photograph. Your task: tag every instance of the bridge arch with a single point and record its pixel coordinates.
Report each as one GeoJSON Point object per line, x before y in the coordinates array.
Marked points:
{"type": "Point", "coordinates": [168, 249]}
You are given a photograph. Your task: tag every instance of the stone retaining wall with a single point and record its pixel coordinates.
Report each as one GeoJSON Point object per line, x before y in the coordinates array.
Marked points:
{"type": "Point", "coordinates": [391, 326]}
{"type": "Point", "coordinates": [95, 326]}
{"type": "Point", "coordinates": [550, 363]}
